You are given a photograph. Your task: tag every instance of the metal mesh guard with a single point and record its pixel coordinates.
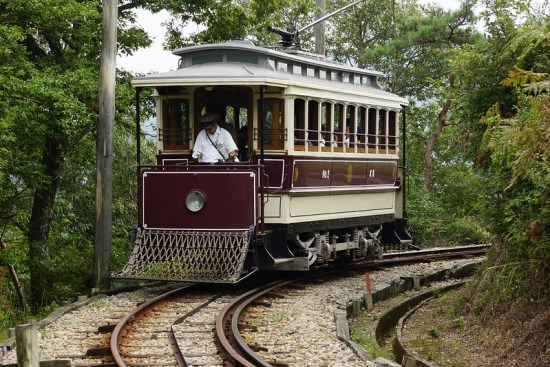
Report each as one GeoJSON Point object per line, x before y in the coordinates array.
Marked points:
{"type": "Point", "coordinates": [187, 255]}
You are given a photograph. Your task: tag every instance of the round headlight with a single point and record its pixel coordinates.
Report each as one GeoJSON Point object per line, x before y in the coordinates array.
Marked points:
{"type": "Point", "coordinates": [194, 201]}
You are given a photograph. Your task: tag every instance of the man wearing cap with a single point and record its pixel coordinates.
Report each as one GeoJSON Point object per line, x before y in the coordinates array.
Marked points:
{"type": "Point", "coordinates": [213, 142]}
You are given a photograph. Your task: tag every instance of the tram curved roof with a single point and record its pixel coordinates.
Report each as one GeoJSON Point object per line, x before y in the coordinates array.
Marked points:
{"type": "Point", "coordinates": [241, 62]}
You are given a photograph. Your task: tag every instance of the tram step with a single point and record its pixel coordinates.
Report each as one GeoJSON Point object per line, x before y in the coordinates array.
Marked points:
{"type": "Point", "coordinates": [279, 260]}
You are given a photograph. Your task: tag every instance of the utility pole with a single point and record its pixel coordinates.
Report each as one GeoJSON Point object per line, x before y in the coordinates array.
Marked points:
{"type": "Point", "coordinates": [320, 28]}
{"type": "Point", "coordinates": [104, 153]}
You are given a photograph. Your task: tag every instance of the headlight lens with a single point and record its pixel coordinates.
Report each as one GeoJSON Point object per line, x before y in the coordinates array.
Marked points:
{"type": "Point", "coordinates": [194, 201]}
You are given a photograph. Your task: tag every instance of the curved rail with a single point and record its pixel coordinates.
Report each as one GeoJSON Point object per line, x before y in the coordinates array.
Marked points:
{"type": "Point", "coordinates": [236, 349]}
{"type": "Point", "coordinates": [433, 254]}
{"type": "Point", "coordinates": [438, 254]}
{"type": "Point", "coordinates": [121, 326]}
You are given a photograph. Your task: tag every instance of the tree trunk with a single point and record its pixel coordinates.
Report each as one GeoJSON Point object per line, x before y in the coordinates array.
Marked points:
{"type": "Point", "coordinates": [15, 280]}
{"type": "Point", "coordinates": [430, 144]}
{"type": "Point", "coordinates": [39, 225]}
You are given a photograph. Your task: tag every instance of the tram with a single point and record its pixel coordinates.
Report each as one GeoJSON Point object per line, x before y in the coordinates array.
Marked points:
{"type": "Point", "coordinates": [318, 182]}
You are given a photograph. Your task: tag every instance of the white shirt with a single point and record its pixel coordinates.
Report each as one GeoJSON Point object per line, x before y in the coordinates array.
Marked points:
{"type": "Point", "coordinates": [206, 151]}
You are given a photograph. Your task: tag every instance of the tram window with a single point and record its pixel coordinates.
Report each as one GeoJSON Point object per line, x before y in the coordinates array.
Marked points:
{"type": "Point", "coordinates": [326, 120]}
{"type": "Point", "coordinates": [345, 77]}
{"type": "Point", "coordinates": [299, 124]}
{"type": "Point", "coordinates": [282, 66]}
{"type": "Point", "coordinates": [242, 58]}
{"type": "Point", "coordinates": [371, 130]}
{"type": "Point", "coordinates": [230, 120]}
{"type": "Point", "coordinates": [382, 131]}
{"type": "Point", "coordinates": [357, 79]}
{"type": "Point", "coordinates": [236, 116]}
{"type": "Point", "coordinates": [349, 128]}
{"type": "Point", "coordinates": [322, 74]}
{"type": "Point", "coordinates": [174, 133]}
{"type": "Point", "coordinates": [272, 63]}
{"type": "Point", "coordinates": [206, 59]}
{"type": "Point", "coordinates": [274, 126]}
{"type": "Point", "coordinates": [297, 69]}
{"type": "Point", "coordinates": [361, 130]}
{"type": "Point", "coordinates": [310, 72]}
{"type": "Point", "coordinates": [367, 81]}
{"type": "Point", "coordinates": [336, 76]}
{"type": "Point", "coordinates": [313, 124]}
{"type": "Point", "coordinates": [392, 133]}
{"type": "Point", "coordinates": [338, 132]}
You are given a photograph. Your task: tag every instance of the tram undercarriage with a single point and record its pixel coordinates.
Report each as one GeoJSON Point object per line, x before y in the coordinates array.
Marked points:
{"type": "Point", "coordinates": [227, 257]}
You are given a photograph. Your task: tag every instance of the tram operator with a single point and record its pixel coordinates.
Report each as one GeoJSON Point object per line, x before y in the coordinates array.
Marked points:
{"type": "Point", "coordinates": [214, 143]}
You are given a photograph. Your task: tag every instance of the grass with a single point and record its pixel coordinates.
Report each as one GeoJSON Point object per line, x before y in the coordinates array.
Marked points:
{"type": "Point", "coordinates": [364, 338]}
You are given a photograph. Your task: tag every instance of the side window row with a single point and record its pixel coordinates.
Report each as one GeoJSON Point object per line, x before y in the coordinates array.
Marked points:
{"type": "Point", "coordinates": [325, 126]}
{"type": "Point", "coordinates": [318, 126]}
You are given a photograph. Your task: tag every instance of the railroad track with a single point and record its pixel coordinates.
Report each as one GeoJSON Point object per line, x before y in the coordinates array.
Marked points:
{"type": "Point", "coordinates": [198, 337]}
{"type": "Point", "coordinates": [228, 324]}
{"type": "Point", "coordinates": [192, 327]}
{"type": "Point", "coordinates": [181, 329]}
{"type": "Point", "coordinates": [435, 254]}
{"type": "Point", "coordinates": [165, 326]}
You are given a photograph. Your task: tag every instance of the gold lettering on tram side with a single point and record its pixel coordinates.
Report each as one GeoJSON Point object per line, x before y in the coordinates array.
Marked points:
{"type": "Point", "coordinates": [349, 175]}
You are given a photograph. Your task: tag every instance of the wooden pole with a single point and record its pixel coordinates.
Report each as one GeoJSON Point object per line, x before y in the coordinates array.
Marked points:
{"type": "Point", "coordinates": [26, 340]}
{"type": "Point", "coordinates": [104, 154]}
{"type": "Point", "coordinates": [320, 28]}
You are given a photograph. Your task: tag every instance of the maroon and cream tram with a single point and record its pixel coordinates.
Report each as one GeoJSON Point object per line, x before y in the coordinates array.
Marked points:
{"type": "Point", "coordinates": [318, 180]}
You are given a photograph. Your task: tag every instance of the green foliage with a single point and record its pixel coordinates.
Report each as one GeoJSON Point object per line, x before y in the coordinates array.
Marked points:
{"type": "Point", "coordinates": [490, 163]}
{"type": "Point", "coordinates": [433, 332]}
{"type": "Point", "coordinates": [218, 21]}
{"type": "Point", "coordinates": [364, 338]}
{"type": "Point", "coordinates": [517, 174]}
{"type": "Point", "coordinates": [449, 214]}
{"type": "Point", "coordinates": [49, 76]}
{"type": "Point", "coordinates": [520, 206]}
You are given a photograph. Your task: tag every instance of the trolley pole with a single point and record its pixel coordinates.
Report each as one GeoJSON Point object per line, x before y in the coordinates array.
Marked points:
{"type": "Point", "coordinates": [104, 153]}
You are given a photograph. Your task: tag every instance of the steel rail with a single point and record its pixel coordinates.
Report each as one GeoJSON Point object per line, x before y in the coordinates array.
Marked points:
{"type": "Point", "coordinates": [121, 326]}
{"type": "Point", "coordinates": [172, 336]}
{"type": "Point", "coordinates": [432, 254]}
{"type": "Point", "coordinates": [239, 352]}
{"type": "Point", "coordinates": [438, 251]}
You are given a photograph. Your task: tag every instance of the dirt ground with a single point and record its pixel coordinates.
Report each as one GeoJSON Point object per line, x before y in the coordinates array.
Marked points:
{"type": "Point", "coordinates": [439, 333]}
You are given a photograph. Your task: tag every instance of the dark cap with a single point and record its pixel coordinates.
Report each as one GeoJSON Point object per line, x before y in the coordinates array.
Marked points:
{"type": "Point", "coordinates": [208, 119]}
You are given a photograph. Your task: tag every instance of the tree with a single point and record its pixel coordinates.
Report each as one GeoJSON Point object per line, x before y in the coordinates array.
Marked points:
{"type": "Point", "coordinates": [224, 20]}
{"type": "Point", "coordinates": [413, 46]}
{"type": "Point", "coordinates": [48, 95]}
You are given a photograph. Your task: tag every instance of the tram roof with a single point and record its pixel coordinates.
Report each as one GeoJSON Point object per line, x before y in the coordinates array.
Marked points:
{"type": "Point", "coordinates": [241, 62]}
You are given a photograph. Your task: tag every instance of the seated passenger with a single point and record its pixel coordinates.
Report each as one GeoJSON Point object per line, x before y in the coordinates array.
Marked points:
{"type": "Point", "coordinates": [334, 141]}
{"type": "Point", "coordinates": [322, 141]}
{"type": "Point", "coordinates": [214, 144]}
{"type": "Point", "coordinates": [347, 138]}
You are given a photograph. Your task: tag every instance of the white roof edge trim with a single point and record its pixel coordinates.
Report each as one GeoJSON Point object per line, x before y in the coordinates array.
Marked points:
{"type": "Point", "coordinates": [378, 94]}
{"type": "Point", "coordinates": [169, 82]}
{"type": "Point", "coordinates": [383, 96]}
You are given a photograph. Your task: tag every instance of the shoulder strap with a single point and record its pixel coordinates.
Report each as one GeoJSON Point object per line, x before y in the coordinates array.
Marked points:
{"type": "Point", "coordinates": [214, 145]}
